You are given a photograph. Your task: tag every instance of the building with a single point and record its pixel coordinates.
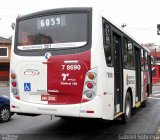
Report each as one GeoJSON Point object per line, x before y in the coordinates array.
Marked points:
{"type": "Point", "coordinates": [5, 50]}
{"type": "Point", "coordinates": [156, 69]}
{"type": "Point", "coordinates": [155, 52]}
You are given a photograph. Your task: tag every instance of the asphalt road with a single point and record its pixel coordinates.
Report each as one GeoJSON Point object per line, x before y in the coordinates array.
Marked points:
{"type": "Point", "coordinates": [145, 120]}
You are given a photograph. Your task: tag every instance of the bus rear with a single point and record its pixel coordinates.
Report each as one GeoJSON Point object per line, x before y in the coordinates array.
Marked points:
{"type": "Point", "coordinates": [50, 66]}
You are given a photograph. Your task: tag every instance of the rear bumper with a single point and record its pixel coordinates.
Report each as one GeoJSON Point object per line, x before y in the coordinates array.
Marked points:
{"type": "Point", "coordinates": [91, 109]}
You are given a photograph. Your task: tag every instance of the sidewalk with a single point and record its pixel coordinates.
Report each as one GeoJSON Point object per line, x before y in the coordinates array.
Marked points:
{"type": "Point", "coordinates": [155, 84]}
{"type": "Point", "coordinates": [4, 83]}
{"type": "Point", "coordinates": [5, 90]}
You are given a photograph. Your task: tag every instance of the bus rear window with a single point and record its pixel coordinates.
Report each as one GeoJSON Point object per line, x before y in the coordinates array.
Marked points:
{"type": "Point", "coordinates": [53, 32]}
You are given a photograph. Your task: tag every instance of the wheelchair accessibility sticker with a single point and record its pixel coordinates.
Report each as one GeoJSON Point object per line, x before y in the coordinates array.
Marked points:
{"type": "Point", "coordinates": [27, 86]}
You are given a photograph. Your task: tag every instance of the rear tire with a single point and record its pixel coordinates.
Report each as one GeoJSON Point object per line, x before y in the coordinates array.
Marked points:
{"type": "Point", "coordinates": [65, 117]}
{"type": "Point", "coordinates": [5, 114]}
{"type": "Point", "coordinates": [127, 109]}
{"type": "Point", "coordinates": [147, 91]}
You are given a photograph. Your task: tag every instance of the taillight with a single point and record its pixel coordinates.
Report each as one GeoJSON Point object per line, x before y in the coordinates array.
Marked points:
{"type": "Point", "coordinates": [91, 75]}
{"type": "Point", "coordinates": [89, 94]}
{"type": "Point", "coordinates": [14, 86]}
{"type": "Point", "coordinates": [90, 85]}
{"type": "Point", "coordinates": [13, 76]}
{"type": "Point", "coordinates": [89, 90]}
{"type": "Point", "coordinates": [15, 91]}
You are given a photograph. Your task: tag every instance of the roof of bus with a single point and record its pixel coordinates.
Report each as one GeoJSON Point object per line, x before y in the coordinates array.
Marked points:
{"type": "Point", "coordinates": [62, 9]}
{"type": "Point", "coordinates": [102, 12]}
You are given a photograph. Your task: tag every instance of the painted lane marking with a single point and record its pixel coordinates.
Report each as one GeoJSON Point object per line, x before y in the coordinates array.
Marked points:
{"type": "Point", "coordinates": [154, 98]}
{"type": "Point", "coordinates": [156, 92]}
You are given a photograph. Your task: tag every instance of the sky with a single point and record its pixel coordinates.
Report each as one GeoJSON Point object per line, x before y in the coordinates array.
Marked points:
{"type": "Point", "coordinates": [140, 16]}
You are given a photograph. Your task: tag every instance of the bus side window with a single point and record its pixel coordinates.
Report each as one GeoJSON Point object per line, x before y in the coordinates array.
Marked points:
{"type": "Point", "coordinates": [146, 61]}
{"type": "Point", "coordinates": [128, 54]}
{"type": "Point", "coordinates": [142, 60]}
{"type": "Point", "coordinates": [107, 43]}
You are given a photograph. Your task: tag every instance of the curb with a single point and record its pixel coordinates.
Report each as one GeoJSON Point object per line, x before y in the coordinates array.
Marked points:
{"type": "Point", "coordinates": [156, 85]}
{"type": "Point", "coordinates": [4, 84]}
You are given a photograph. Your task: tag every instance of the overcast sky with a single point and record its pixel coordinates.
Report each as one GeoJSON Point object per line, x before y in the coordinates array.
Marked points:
{"type": "Point", "coordinates": [140, 16]}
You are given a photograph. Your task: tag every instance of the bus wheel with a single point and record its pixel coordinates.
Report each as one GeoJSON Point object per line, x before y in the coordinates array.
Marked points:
{"type": "Point", "coordinates": [147, 91]}
{"type": "Point", "coordinates": [127, 110]}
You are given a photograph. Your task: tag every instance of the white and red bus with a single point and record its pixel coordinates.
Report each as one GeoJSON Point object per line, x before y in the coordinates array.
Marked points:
{"type": "Point", "coordinates": [74, 62]}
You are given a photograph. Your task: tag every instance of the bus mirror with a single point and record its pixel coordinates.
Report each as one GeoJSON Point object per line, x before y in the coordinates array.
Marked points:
{"type": "Point", "coordinates": [13, 26]}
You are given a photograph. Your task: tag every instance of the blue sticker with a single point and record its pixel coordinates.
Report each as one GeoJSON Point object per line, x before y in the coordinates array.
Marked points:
{"type": "Point", "coordinates": [27, 86]}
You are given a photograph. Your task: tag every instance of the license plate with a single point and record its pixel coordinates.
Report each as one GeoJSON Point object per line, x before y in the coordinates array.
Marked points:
{"type": "Point", "coordinates": [49, 98]}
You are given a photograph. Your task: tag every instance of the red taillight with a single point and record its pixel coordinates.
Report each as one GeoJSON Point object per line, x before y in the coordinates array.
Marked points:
{"type": "Point", "coordinates": [90, 85]}
{"type": "Point", "coordinates": [13, 106]}
{"type": "Point", "coordinates": [14, 84]}
{"type": "Point", "coordinates": [90, 111]}
{"type": "Point", "coordinates": [84, 100]}
{"type": "Point", "coordinates": [17, 97]}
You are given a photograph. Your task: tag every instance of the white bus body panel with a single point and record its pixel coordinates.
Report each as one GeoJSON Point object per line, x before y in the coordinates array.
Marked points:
{"type": "Point", "coordinates": [105, 84]}
{"type": "Point", "coordinates": [76, 110]}
{"type": "Point", "coordinates": [144, 83]}
{"type": "Point", "coordinates": [129, 81]}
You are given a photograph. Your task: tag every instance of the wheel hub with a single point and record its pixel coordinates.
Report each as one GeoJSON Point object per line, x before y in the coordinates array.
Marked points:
{"type": "Point", "coordinates": [5, 114]}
